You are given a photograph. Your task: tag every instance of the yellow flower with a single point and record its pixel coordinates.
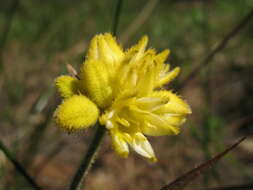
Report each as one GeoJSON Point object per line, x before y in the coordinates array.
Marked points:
{"type": "Point", "coordinates": [123, 90]}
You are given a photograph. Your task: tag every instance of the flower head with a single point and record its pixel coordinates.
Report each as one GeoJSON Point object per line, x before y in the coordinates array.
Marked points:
{"type": "Point", "coordinates": [124, 91]}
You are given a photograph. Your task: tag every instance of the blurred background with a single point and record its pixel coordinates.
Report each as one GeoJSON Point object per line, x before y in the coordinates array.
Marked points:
{"type": "Point", "coordinates": [38, 38]}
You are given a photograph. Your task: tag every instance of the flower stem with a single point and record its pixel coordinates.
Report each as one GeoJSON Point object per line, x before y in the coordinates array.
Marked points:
{"type": "Point", "coordinates": [19, 167]}
{"type": "Point", "coordinates": [116, 17]}
{"type": "Point", "coordinates": [89, 158]}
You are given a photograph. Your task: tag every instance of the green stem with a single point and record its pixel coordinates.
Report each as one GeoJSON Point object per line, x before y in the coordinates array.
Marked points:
{"type": "Point", "coordinates": [116, 17]}
{"type": "Point", "coordinates": [89, 158]}
{"type": "Point", "coordinates": [18, 166]}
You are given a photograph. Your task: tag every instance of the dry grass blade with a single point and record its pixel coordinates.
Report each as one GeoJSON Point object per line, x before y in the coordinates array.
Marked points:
{"type": "Point", "coordinates": [38, 132]}
{"type": "Point", "coordinates": [7, 27]}
{"type": "Point", "coordinates": [187, 178]}
{"type": "Point", "coordinates": [19, 167]}
{"type": "Point", "coordinates": [139, 21]}
{"type": "Point", "coordinates": [243, 23]}
{"type": "Point", "coordinates": [72, 71]}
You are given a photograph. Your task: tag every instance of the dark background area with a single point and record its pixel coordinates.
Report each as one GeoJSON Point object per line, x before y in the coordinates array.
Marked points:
{"type": "Point", "coordinates": [38, 38]}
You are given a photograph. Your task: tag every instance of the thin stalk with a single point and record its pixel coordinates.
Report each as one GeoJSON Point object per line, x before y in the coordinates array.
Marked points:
{"type": "Point", "coordinates": [38, 133]}
{"type": "Point", "coordinates": [6, 29]}
{"type": "Point", "coordinates": [18, 166]}
{"type": "Point", "coordinates": [89, 158]}
{"type": "Point", "coordinates": [116, 17]}
{"type": "Point", "coordinates": [181, 182]}
{"type": "Point", "coordinates": [242, 24]}
{"type": "Point", "coordinates": [139, 20]}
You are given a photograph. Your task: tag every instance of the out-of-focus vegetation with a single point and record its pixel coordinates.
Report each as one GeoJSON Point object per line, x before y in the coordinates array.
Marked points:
{"type": "Point", "coordinates": [37, 40]}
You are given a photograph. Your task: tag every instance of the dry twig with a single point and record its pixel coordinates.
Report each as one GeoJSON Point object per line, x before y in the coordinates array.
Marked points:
{"type": "Point", "coordinates": [188, 177]}
{"type": "Point", "coordinates": [217, 49]}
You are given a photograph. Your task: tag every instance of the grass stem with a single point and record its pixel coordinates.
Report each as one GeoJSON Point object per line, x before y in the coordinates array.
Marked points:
{"type": "Point", "coordinates": [89, 158]}
{"type": "Point", "coordinates": [223, 43]}
{"type": "Point", "coordinates": [18, 166]}
{"type": "Point", "coordinates": [116, 17]}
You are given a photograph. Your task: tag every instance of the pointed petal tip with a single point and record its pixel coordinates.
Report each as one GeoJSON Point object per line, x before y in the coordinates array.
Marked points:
{"type": "Point", "coordinates": [189, 110]}
{"type": "Point", "coordinates": [153, 159]}
{"type": "Point", "coordinates": [144, 40]}
{"type": "Point", "coordinates": [108, 34]}
{"type": "Point", "coordinates": [123, 154]}
{"type": "Point", "coordinates": [166, 52]}
{"type": "Point", "coordinates": [171, 75]}
{"type": "Point", "coordinates": [176, 69]}
{"type": "Point", "coordinates": [145, 37]}
{"type": "Point", "coordinates": [66, 85]}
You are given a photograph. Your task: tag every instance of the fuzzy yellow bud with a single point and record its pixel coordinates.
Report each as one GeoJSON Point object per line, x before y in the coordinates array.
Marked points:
{"type": "Point", "coordinates": [76, 113]}
{"type": "Point", "coordinates": [67, 85]}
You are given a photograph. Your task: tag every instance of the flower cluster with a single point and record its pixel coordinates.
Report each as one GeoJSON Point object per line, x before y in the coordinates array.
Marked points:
{"type": "Point", "coordinates": [123, 91]}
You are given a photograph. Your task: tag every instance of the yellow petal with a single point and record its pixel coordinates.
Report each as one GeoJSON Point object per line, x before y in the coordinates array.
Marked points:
{"type": "Point", "coordinates": [168, 77]}
{"type": "Point", "coordinates": [150, 103]}
{"type": "Point", "coordinates": [177, 105]}
{"type": "Point", "coordinates": [146, 82]}
{"type": "Point", "coordinates": [175, 120]}
{"type": "Point", "coordinates": [67, 85]}
{"type": "Point", "coordinates": [119, 144]}
{"type": "Point", "coordinates": [141, 145]}
{"type": "Point", "coordinates": [173, 104]}
{"type": "Point", "coordinates": [161, 113]}
{"type": "Point", "coordinates": [112, 48]}
{"type": "Point", "coordinates": [104, 47]}
{"type": "Point", "coordinates": [93, 52]}
{"type": "Point", "coordinates": [137, 52]}
{"type": "Point", "coordinates": [95, 81]}
{"type": "Point", "coordinates": [155, 125]}
{"type": "Point", "coordinates": [161, 57]}
{"type": "Point", "coordinates": [75, 113]}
